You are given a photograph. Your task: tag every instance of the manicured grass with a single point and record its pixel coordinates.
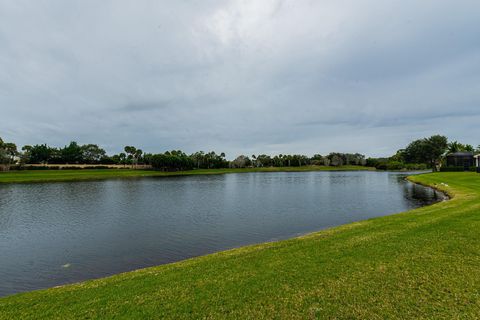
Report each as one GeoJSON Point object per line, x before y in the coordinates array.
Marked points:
{"type": "Point", "coordinates": [98, 174]}
{"type": "Point", "coordinates": [421, 264]}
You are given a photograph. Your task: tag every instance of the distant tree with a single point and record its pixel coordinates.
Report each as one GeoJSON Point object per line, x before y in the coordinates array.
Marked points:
{"type": "Point", "coordinates": [11, 151]}
{"type": "Point", "coordinates": [73, 153]}
{"type": "Point", "coordinates": [146, 158]}
{"type": "Point", "coordinates": [456, 146]}
{"type": "Point", "coordinates": [435, 147]}
{"type": "Point", "coordinates": [136, 156]}
{"type": "Point", "coordinates": [198, 159]}
{"type": "Point", "coordinates": [254, 160]}
{"type": "Point", "coordinates": [427, 150]}
{"type": "Point", "coordinates": [373, 162]}
{"type": "Point", "coordinates": [241, 162]}
{"type": "Point", "coordinates": [469, 148]}
{"type": "Point", "coordinates": [399, 156]}
{"type": "Point", "coordinates": [132, 154]}
{"type": "Point", "coordinates": [336, 159]}
{"type": "Point", "coordinates": [298, 160]}
{"type": "Point", "coordinates": [8, 152]}
{"type": "Point", "coordinates": [25, 155]}
{"type": "Point", "coordinates": [92, 153]}
{"type": "Point", "coordinates": [171, 161]}
{"type": "Point", "coordinates": [129, 150]}
{"type": "Point", "coordinates": [209, 160]}
{"type": "Point", "coordinates": [3, 153]}
{"type": "Point", "coordinates": [317, 160]}
{"type": "Point", "coordinates": [40, 153]}
{"type": "Point", "coordinates": [264, 160]}
{"type": "Point", "coordinates": [123, 158]}
{"type": "Point", "coordinates": [353, 159]}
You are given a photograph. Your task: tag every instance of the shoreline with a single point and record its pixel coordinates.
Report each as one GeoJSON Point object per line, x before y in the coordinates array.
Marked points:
{"type": "Point", "coordinates": [442, 189]}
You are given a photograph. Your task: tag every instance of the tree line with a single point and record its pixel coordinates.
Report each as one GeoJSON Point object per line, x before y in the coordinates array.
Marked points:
{"type": "Point", "coordinates": [298, 160]}
{"type": "Point", "coordinates": [74, 153]}
{"type": "Point", "coordinates": [419, 154]}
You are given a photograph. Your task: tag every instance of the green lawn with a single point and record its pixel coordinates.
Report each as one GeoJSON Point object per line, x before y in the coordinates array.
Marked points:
{"type": "Point", "coordinates": [421, 264]}
{"type": "Point", "coordinates": [98, 174]}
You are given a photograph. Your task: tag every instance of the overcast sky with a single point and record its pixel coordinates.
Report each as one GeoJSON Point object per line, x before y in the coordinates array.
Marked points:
{"type": "Point", "coordinates": [273, 76]}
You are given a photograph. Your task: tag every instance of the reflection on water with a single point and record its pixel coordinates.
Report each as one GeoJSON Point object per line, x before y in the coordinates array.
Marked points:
{"type": "Point", "coordinates": [52, 234]}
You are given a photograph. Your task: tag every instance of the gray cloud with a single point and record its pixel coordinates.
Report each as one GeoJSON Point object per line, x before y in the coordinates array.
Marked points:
{"type": "Point", "coordinates": [144, 106]}
{"type": "Point", "coordinates": [240, 76]}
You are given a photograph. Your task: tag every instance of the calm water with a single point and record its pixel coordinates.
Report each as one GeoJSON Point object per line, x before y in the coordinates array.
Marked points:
{"type": "Point", "coordinates": [57, 233]}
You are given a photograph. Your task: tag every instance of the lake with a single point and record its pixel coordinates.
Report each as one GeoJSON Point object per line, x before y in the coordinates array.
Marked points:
{"type": "Point", "coordinates": [58, 233]}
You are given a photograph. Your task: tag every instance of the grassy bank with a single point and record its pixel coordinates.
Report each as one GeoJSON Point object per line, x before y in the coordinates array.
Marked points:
{"type": "Point", "coordinates": [421, 264]}
{"type": "Point", "coordinates": [98, 174]}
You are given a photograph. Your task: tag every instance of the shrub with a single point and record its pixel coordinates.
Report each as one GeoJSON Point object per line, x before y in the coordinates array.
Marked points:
{"type": "Point", "coordinates": [381, 166]}
{"type": "Point", "coordinates": [416, 166]}
{"type": "Point", "coordinates": [171, 162]}
{"type": "Point", "coordinates": [317, 162]}
{"type": "Point", "coordinates": [40, 168]}
{"type": "Point", "coordinates": [395, 165]}
{"type": "Point", "coordinates": [457, 169]}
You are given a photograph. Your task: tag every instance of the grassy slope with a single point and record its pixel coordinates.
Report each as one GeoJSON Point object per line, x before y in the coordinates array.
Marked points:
{"type": "Point", "coordinates": [424, 263]}
{"type": "Point", "coordinates": [98, 174]}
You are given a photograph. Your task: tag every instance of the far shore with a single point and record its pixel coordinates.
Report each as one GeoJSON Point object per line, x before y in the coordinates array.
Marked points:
{"type": "Point", "coordinates": [79, 174]}
{"type": "Point", "coordinates": [86, 166]}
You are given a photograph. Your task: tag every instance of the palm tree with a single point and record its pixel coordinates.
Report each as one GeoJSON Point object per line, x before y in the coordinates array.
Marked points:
{"type": "Point", "coordinates": [454, 146]}
{"type": "Point", "coordinates": [131, 151]}
{"type": "Point", "coordinates": [138, 153]}
{"type": "Point", "coordinates": [123, 157]}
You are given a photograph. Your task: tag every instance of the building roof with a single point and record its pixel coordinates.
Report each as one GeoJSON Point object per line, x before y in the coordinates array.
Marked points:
{"type": "Point", "coordinates": [460, 154]}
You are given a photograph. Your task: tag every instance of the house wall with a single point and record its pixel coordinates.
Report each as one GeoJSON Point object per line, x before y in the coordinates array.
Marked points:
{"type": "Point", "coordinates": [460, 161]}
